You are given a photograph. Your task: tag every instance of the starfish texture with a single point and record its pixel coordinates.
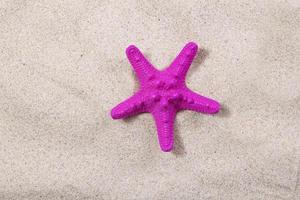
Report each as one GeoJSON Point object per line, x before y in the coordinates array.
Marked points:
{"type": "Point", "coordinates": [163, 93]}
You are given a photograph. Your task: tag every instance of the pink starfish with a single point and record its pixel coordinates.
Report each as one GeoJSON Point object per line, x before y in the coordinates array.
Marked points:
{"type": "Point", "coordinates": [163, 93]}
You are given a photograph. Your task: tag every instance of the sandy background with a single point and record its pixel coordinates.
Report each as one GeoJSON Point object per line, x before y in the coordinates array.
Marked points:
{"type": "Point", "coordinates": [63, 67]}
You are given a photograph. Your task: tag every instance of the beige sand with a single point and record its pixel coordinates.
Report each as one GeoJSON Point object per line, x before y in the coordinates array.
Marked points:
{"type": "Point", "coordinates": [63, 67]}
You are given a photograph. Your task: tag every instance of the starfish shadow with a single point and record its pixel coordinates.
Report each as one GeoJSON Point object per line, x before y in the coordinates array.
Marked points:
{"type": "Point", "coordinates": [179, 148]}
{"type": "Point", "coordinates": [132, 118]}
{"type": "Point", "coordinates": [129, 119]}
{"type": "Point", "coordinates": [136, 82]}
{"type": "Point", "coordinates": [224, 112]}
{"type": "Point", "coordinates": [199, 60]}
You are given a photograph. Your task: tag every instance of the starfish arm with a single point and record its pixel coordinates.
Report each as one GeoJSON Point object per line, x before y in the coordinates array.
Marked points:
{"type": "Point", "coordinates": [130, 107]}
{"type": "Point", "coordinates": [142, 67]}
{"type": "Point", "coordinates": [184, 59]}
{"type": "Point", "coordinates": [198, 103]}
{"type": "Point", "coordinates": [164, 120]}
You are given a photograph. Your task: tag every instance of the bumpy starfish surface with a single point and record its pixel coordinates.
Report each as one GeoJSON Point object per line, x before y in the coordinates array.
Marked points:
{"type": "Point", "coordinates": [163, 93]}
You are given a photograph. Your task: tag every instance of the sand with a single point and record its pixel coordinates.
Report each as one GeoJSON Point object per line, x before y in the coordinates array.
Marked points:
{"type": "Point", "coordinates": [63, 67]}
